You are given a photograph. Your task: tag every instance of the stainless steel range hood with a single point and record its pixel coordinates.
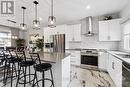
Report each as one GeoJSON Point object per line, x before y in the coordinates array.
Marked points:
{"type": "Point", "coordinates": [89, 27]}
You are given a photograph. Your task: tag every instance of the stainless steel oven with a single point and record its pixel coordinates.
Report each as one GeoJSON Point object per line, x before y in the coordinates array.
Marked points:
{"type": "Point", "coordinates": [89, 57]}
{"type": "Point", "coordinates": [126, 75]}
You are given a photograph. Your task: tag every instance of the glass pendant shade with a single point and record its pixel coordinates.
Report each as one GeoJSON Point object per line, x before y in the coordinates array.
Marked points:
{"type": "Point", "coordinates": [52, 21]}
{"type": "Point", "coordinates": [23, 26]}
{"type": "Point", "coordinates": [36, 23]}
{"type": "Point", "coordinates": [52, 18]}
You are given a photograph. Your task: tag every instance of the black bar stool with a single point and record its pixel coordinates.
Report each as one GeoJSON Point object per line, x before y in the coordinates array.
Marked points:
{"type": "Point", "coordinates": [22, 78]}
{"type": "Point", "coordinates": [2, 58]}
{"type": "Point", "coordinates": [2, 61]}
{"type": "Point", "coordinates": [12, 61]}
{"type": "Point", "coordinates": [41, 67]}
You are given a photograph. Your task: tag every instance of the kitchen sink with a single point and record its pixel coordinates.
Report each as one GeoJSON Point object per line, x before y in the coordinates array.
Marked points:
{"type": "Point", "coordinates": [124, 55]}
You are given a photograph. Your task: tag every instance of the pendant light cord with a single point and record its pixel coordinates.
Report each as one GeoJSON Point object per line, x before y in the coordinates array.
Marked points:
{"type": "Point", "coordinates": [35, 11]}
{"type": "Point", "coordinates": [23, 15]}
{"type": "Point", "coordinates": [52, 8]}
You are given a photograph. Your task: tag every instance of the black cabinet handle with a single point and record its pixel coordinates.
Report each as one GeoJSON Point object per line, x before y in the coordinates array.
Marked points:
{"type": "Point", "coordinates": [113, 65]}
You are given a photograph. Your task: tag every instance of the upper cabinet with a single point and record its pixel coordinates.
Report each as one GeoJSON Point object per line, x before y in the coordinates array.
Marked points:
{"type": "Point", "coordinates": [109, 30]}
{"type": "Point", "coordinates": [73, 32]}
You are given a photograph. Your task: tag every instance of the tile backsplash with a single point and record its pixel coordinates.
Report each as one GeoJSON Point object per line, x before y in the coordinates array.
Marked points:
{"type": "Point", "coordinates": [93, 43]}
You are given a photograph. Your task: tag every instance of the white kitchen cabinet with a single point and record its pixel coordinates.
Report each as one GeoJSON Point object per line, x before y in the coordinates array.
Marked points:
{"type": "Point", "coordinates": [109, 30]}
{"type": "Point", "coordinates": [74, 32]}
{"type": "Point", "coordinates": [115, 70]}
{"type": "Point", "coordinates": [103, 60]}
{"type": "Point", "coordinates": [66, 72]}
{"type": "Point", "coordinates": [61, 72]}
{"type": "Point", "coordinates": [75, 58]}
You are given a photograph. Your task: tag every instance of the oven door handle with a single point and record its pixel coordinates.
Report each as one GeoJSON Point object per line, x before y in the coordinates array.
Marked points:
{"type": "Point", "coordinates": [126, 68]}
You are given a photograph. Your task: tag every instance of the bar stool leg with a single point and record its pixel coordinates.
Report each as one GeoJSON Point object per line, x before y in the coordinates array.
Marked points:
{"type": "Point", "coordinates": [35, 77]}
{"type": "Point", "coordinates": [52, 77]}
{"type": "Point", "coordinates": [18, 76]}
{"type": "Point", "coordinates": [25, 77]}
{"type": "Point", "coordinates": [12, 76]}
{"type": "Point", "coordinates": [15, 69]}
{"type": "Point", "coordinates": [29, 74]}
{"type": "Point", "coordinates": [37, 80]}
{"type": "Point", "coordinates": [43, 84]}
{"type": "Point", "coordinates": [4, 73]}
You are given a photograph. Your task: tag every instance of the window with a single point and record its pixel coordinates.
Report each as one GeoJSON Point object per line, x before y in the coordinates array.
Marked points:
{"type": "Point", "coordinates": [5, 39]}
{"type": "Point", "coordinates": [126, 35]}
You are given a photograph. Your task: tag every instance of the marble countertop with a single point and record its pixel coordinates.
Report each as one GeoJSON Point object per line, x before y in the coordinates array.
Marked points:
{"type": "Point", "coordinates": [115, 53]}
{"type": "Point", "coordinates": [52, 57]}
{"type": "Point", "coordinates": [73, 49]}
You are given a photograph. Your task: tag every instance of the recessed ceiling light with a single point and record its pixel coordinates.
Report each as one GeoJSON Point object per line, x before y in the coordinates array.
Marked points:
{"type": "Point", "coordinates": [88, 7]}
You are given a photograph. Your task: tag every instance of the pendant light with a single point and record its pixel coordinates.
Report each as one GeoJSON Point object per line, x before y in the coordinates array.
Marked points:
{"type": "Point", "coordinates": [36, 22]}
{"type": "Point", "coordinates": [51, 19]}
{"type": "Point", "coordinates": [23, 25]}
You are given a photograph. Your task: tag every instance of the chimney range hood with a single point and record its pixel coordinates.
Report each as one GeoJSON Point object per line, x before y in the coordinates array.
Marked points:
{"type": "Point", "coordinates": [89, 27]}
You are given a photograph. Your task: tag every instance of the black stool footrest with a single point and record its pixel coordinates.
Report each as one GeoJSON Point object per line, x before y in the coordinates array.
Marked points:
{"type": "Point", "coordinates": [26, 81]}
{"type": "Point", "coordinates": [42, 80]}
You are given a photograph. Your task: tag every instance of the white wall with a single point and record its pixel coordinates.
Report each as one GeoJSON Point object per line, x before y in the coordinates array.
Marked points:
{"type": "Point", "coordinates": [124, 14]}
{"type": "Point", "coordinates": [126, 11]}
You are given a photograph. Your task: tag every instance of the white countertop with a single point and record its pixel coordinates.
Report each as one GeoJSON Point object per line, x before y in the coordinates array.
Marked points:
{"type": "Point", "coordinates": [51, 56]}
{"type": "Point", "coordinates": [114, 53]}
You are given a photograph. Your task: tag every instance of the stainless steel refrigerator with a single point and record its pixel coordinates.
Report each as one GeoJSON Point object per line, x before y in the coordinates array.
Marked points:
{"type": "Point", "coordinates": [59, 43]}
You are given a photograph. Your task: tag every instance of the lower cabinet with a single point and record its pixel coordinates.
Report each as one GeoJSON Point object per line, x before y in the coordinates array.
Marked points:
{"type": "Point", "coordinates": [66, 71]}
{"type": "Point", "coordinates": [115, 70]}
{"type": "Point", "coordinates": [103, 60]}
{"type": "Point", "coordinates": [75, 58]}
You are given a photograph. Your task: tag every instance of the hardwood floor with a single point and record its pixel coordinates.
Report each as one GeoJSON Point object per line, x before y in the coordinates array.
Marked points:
{"type": "Point", "coordinates": [89, 78]}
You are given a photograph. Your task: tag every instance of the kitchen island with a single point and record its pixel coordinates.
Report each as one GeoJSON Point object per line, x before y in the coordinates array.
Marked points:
{"type": "Point", "coordinates": [60, 67]}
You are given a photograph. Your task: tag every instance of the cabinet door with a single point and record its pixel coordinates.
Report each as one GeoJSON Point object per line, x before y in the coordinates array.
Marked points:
{"type": "Point", "coordinates": [114, 30]}
{"type": "Point", "coordinates": [75, 58]}
{"type": "Point", "coordinates": [103, 60]}
{"type": "Point", "coordinates": [103, 31]}
{"type": "Point", "coordinates": [77, 32]}
{"type": "Point", "coordinates": [69, 32]}
{"type": "Point", "coordinates": [110, 57]}
{"type": "Point", "coordinates": [74, 32]}
{"type": "Point", "coordinates": [115, 70]}
{"type": "Point", "coordinates": [65, 71]}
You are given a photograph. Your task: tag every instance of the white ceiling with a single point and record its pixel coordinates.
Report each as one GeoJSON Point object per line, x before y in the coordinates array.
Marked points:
{"type": "Point", "coordinates": [67, 11]}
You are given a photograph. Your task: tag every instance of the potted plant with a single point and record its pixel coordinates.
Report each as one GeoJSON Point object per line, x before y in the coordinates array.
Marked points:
{"type": "Point", "coordinates": [20, 42]}
{"type": "Point", "coordinates": [40, 44]}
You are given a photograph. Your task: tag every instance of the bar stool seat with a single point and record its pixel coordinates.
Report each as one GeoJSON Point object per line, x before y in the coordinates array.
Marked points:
{"type": "Point", "coordinates": [27, 63]}
{"type": "Point", "coordinates": [14, 60]}
{"type": "Point", "coordinates": [43, 67]}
